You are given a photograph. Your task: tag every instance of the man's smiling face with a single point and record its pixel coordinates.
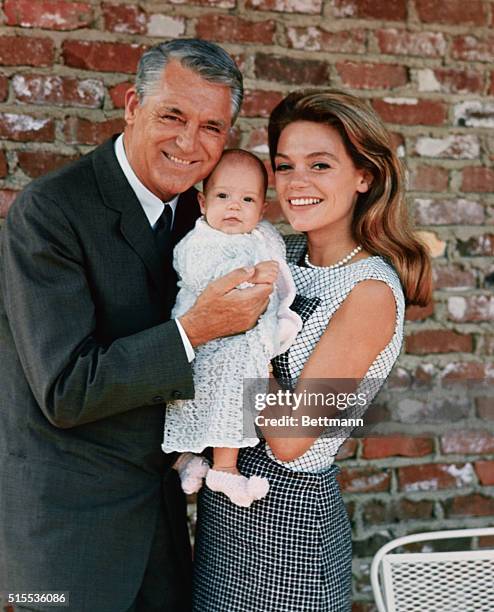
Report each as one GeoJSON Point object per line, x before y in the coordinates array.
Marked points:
{"type": "Point", "coordinates": [175, 137]}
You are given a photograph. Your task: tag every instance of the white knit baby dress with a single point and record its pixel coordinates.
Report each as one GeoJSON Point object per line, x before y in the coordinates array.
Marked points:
{"type": "Point", "coordinates": [215, 416]}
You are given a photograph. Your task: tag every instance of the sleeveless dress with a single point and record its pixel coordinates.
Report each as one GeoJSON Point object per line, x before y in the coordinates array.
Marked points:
{"type": "Point", "coordinates": [292, 550]}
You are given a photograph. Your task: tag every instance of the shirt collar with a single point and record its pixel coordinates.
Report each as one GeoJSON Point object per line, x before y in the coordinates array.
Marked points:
{"type": "Point", "coordinates": [151, 204]}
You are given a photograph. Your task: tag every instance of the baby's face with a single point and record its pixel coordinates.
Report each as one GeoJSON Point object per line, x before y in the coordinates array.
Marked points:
{"type": "Point", "coordinates": [234, 198]}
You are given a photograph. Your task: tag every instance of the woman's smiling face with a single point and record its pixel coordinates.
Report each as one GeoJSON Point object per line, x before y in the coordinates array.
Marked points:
{"type": "Point", "coordinates": [316, 180]}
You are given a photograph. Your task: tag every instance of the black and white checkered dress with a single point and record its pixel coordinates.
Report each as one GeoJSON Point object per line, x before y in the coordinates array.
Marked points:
{"type": "Point", "coordinates": [291, 551]}
{"type": "Point", "coordinates": [320, 292]}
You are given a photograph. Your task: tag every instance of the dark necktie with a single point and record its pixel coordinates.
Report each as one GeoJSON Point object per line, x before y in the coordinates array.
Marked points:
{"type": "Point", "coordinates": [163, 232]}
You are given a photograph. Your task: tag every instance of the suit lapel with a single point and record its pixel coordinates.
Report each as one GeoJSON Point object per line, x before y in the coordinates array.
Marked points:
{"type": "Point", "coordinates": [117, 194]}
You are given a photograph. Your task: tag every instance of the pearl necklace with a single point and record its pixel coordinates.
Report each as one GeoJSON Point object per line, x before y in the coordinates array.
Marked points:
{"type": "Point", "coordinates": [338, 264]}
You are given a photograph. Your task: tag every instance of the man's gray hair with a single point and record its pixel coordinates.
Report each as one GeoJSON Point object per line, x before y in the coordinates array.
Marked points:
{"type": "Point", "coordinates": [208, 60]}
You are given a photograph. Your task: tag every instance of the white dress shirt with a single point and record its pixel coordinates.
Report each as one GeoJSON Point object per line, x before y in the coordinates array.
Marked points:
{"type": "Point", "coordinates": [152, 207]}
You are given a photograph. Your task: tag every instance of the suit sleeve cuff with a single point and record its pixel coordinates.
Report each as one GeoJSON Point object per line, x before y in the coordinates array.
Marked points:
{"type": "Point", "coordinates": [189, 350]}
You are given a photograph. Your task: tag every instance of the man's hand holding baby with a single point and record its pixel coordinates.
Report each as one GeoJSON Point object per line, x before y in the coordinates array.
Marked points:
{"type": "Point", "coordinates": [266, 272]}
{"type": "Point", "coordinates": [223, 310]}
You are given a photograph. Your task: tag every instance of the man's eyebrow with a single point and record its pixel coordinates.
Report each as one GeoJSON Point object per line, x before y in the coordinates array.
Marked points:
{"type": "Point", "coordinates": [216, 123]}
{"type": "Point", "coordinates": [172, 109]}
{"type": "Point", "coordinates": [176, 111]}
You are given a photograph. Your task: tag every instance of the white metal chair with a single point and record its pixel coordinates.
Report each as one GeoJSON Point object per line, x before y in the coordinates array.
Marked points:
{"type": "Point", "coordinates": [455, 581]}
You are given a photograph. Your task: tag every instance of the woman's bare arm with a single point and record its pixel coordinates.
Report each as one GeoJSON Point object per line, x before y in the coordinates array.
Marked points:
{"type": "Point", "coordinates": [360, 329]}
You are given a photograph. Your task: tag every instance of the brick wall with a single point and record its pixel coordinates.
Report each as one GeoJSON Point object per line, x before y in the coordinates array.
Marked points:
{"type": "Point", "coordinates": [426, 67]}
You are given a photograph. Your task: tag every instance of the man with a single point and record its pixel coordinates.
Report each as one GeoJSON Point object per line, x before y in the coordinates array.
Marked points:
{"type": "Point", "coordinates": [88, 357]}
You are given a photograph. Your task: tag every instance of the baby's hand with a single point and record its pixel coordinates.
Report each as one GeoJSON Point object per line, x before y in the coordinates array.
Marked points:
{"type": "Point", "coordinates": [266, 272]}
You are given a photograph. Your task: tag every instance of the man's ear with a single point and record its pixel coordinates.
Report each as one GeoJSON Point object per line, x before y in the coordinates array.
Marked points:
{"type": "Point", "coordinates": [202, 202]}
{"type": "Point", "coordinates": [131, 105]}
{"type": "Point", "coordinates": [365, 181]}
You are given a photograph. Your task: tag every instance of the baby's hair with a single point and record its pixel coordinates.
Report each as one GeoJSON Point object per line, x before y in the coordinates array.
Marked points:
{"type": "Point", "coordinates": [241, 156]}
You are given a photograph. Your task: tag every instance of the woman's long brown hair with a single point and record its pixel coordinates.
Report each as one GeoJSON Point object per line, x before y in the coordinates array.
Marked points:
{"type": "Point", "coordinates": [381, 222]}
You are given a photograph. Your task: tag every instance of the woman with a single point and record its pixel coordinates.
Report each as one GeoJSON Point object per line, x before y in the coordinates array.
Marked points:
{"type": "Point", "coordinates": [355, 265]}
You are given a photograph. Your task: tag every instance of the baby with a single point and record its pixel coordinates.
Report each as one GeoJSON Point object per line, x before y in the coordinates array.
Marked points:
{"type": "Point", "coordinates": [229, 235]}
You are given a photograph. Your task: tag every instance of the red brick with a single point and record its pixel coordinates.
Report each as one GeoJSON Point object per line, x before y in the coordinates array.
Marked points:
{"type": "Point", "coordinates": [470, 505]}
{"type": "Point", "coordinates": [452, 80]}
{"type": "Point", "coordinates": [423, 375]}
{"type": "Point", "coordinates": [312, 38]}
{"type": "Point", "coordinates": [410, 509]}
{"type": "Point", "coordinates": [48, 14]}
{"type": "Point", "coordinates": [208, 3]}
{"type": "Point", "coordinates": [488, 345]}
{"type": "Point", "coordinates": [433, 243]}
{"type": "Point", "coordinates": [419, 313]}
{"type": "Point", "coordinates": [362, 606]}
{"type": "Point", "coordinates": [24, 128]}
{"type": "Point", "coordinates": [273, 212]}
{"type": "Point", "coordinates": [482, 246]}
{"type": "Point", "coordinates": [241, 60]}
{"type": "Point", "coordinates": [308, 7]}
{"type": "Point", "coordinates": [102, 56]}
{"type": "Point", "coordinates": [7, 196]}
{"type": "Point", "coordinates": [485, 472]}
{"type": "Point", "coordinates": [37, 163]}
{"type": "Point", "coordinates": [4, 88]}
{"type": "Point", "coordinates": [4, 168]}
{"type": "Point", "coordinates": [59, 91]}
{"type": "Point", "coordinates": [491, 87]}
{"type": "Point", "coordinates": [377, 512]}
{"type": "Point", "coordinates": [372, 76]}
{"type": "Point", "coordinates": [291, 70]}
{"type": "Point", "coordinates": [347, 449]}
{"type": "Point", "coordinates": [434, 476]}
{"type": "Point", "coordinates": [485, 408]}
{"type": "Point", "coordinates": [448, 212]}
{"type": "Point", "coordinates": [397, 141]}
{"type": "Point", "coordinates": [461, 442]}
{"type": "Point", "coordinates": [452, 12]}
{"type": "Point", "coordinates": [364, 480]}
{"type": "Point", "coordinates": [228, 28]}
{"type": "Point", "coordinates": [452, 146]}
{"type": "Point", "coordinates": [269, 170]}
{"type": "Point", "coordinates": [396, 445]}
{"type": "Point", "coordinates": [471, 308]}
{"type": "Point", "coordinates": [350, 508]}
{"type": "Point", "coordinates": [486, 542]}
{"type": "Point", "coordinates": [412, 112]}
{"type": "Point", "coordinates": [259, 103]}
{"type": "Point", "coordinates": [234, 138]}
{"type": "Point", "coordinates": [117, 93]}
{"type": "Point", "coordinates": [438, 341]}
{"type": "Point", "coordinates": [403, 42]}
{"type": "Point", "coordinates": [428, 178]}
{"type": "Point", "coordinates": [258, 140]}
{"type": "Point", "coordinates": [453, 277]}
{"type": "Point", "coordinates": [390, 10]}
{"type": "Point", "coordinates": [472, 49]}
{"type": "Point", "coordinates": [84, 131]}
{"type": "Point", "coordinates": [469, 371]}
{"type": "Point", "coordinates": [398, 379]}
{"type": "Point", "coordinates": [23, 51]}
{"type": "Point", "coordinates": [124, 18]}
{"type": "Point", "coordinates": [477, 179]}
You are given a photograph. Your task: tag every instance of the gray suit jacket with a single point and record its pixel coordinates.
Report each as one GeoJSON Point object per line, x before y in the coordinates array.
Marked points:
{"type": "Point", "coordinates": [88, 359]}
